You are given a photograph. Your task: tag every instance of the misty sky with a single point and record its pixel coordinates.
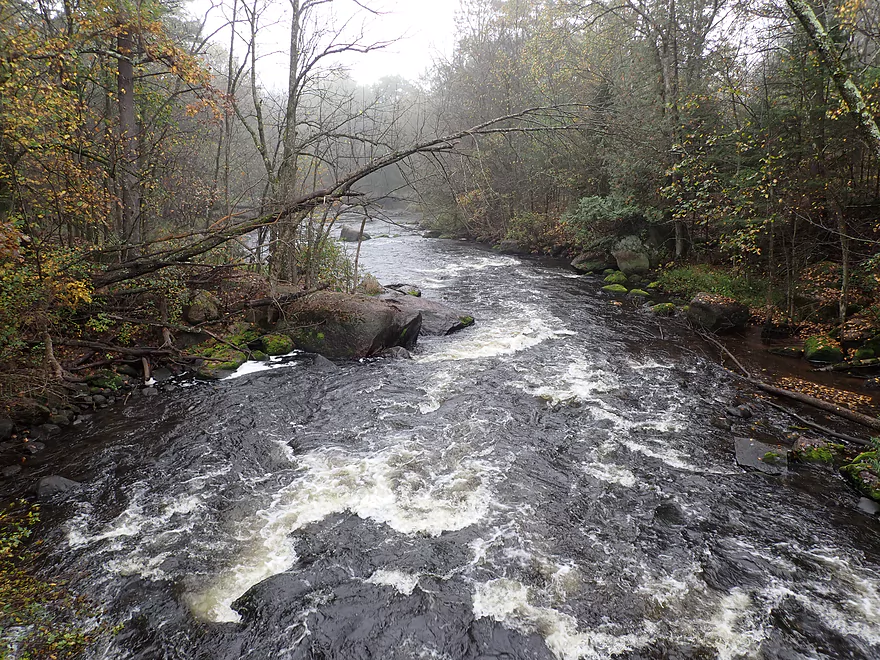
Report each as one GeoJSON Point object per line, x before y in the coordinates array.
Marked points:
{"type": "Point", "coordinates": [424, 28]}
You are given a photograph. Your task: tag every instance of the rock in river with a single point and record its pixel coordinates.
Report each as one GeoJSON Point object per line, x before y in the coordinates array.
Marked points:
{"type": "Point", "coordinates": [339, 325]}
{"type": "Point", "coordinates": [438, 319]}
{"type": "Point", "coordinates": [352, 235]}
{"type": "Point", "coordinates": [48, 486]}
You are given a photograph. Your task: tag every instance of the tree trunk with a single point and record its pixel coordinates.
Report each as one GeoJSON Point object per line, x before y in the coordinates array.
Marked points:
{"type": "Point", "coordinates": [129, 230]}
{"type": "Point", "coordinates": [847, 89]}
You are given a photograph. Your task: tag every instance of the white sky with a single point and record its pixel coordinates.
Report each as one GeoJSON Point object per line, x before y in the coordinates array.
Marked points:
{"type": "Point", "coordinates": [424, 29]}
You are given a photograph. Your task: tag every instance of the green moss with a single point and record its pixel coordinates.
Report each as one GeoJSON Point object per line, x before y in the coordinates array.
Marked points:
{"type": "Point", "coordinates": [106, 380]}
{"type": "Point", "coordinates": [664, 309]}
{"type": "Point", "coordinates": [638, 293]}
{"type": "Point", "coordinates": [816, 455]}
{"type": "Point", "coordinates": [614, 288]}
{"type": "Point", "coordinates": [864, 353]}
{"type": "Point", "coordinates": [277, 344]}
{"type": "Point", "coordinates": [788, 351]}
{"type": "Point", "coordinates": [609, 271]}
{"type": "Point", "coordinates": [654, 285]}
{"type": "Point", "coordinates": [259, 356]}
{"type": "Point", "coordinates": [616, 278]}
{"type": "Point", "coordinates": [821, 348]}
{"type": "Point", "coordinates": [771, 457]}
{"type": "Point", "coordinates": [751, 291]}
{"type": "Point", "coordinates": [466, 320]}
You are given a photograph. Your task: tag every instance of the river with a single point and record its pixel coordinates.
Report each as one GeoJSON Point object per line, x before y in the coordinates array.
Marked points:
{"type": "Point", "coordinates": [544, 484]}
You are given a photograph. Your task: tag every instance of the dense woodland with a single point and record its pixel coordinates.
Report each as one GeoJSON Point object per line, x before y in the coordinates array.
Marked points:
{"type": "Point", "coordinates": [142, 157]}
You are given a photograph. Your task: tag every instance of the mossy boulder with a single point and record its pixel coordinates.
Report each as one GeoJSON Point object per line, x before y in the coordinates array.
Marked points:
{"type": "Point", "coordinates": [815, 450]}
{"type": "Point", "coordinates": [862, 473]}
{"type": "Point", "coordinates": [664, 309]}
{"type": "Point", "coordinates": [340, 325]}
{"type": "Point", "coordinates": [609, 271]}
{"type": "Point", "coordinates": [822, 348]}
{"type": "Point", "coordinates": [105, 379]}
{"type": "Point", "coordinates": [202, 306]}
{"type": "Point", "coordinates": [617, 289]}
{"type": "Point", "coordinates": [653, 285]}
{"type": "Point", "coordinates": [220, 360]}
{"type": "Point", "coordinates": [616, 278]}
{"type": "Point", "coordinates": [717, 313]}
{"type": "Point", "coordinates": [638, 293]}
{"type": "Point", "coordinates": [632, 256]}
{"type": "Point", "coordinates": [277, 344]}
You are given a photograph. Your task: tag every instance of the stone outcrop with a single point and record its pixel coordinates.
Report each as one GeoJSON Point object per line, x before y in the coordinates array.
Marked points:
{"type": "Point", "coordinates": [632, 256]}
{"type": "Point", "coordinates": [352, 235]}
{"type": "Point", "coordinates": [339, 325]}
{"type": "Point", "coordinates": [438, 319]}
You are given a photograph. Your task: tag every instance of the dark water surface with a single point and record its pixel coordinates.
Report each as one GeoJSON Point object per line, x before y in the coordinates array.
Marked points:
{"type": "Point", "coordinates": [544, 484]}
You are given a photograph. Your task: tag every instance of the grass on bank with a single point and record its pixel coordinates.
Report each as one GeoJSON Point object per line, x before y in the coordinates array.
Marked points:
{"type": "Point", "coordinates": [39, 618]}
{"type": "Point", "coordinates": [690, 280]}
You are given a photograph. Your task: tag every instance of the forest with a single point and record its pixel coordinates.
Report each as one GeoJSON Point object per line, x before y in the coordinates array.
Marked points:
{"type": "Point", "coordinates": [142, 159]}
{"type": "Point", "coordinates": [569, 476]}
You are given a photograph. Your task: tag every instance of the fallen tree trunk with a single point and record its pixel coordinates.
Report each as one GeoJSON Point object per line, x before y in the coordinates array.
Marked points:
{"type": "Point", "coordinates": [827, 406]}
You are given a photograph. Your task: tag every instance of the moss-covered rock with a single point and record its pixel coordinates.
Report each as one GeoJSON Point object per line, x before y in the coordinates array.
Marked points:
{"type": "Point", "coordinates": [815, 450]}
{"type": "Point", "coordinates": [862, 473]}
{"type": "Point", "coordinates": [822, 348]}
{"type": "Point", "coordinates": [259, 356]}
{"type": "Point", "coordinates": [638, 293]}
{"type": "Point", "coordinates": [664, 309]}
{"type": "Point", "coordinates": [616, 278]}
{"type": "Point", "coordinates": [220, 359]}
{"type": "Point", "coordinates": [609, 271]}
{"type": "Point", "coordinates": [653, 285]}
{"type": "Point", "coordinates": [615, 288]}
{"type": "Point", "coordinates": [105, 379]}
{"type": "Point", "coordinates": [202, 306]}
{"type": "Point", "coordinates": [277, 344]}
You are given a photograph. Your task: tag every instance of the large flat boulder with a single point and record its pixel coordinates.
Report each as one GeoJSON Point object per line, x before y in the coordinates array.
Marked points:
{"type": "Point", "coordinates": [351, 235]}
{"type": "Point", "coordinates": [437, 319]}
{"type": "Point", "coordinates": [717, 313]}
{"type": "Point", "coordinates": [632, 256]}
{"type": "Point", "coordinates": [341, 325]}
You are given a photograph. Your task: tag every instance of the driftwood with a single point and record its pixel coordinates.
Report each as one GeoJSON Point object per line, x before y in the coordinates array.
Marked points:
{"type": "Point", "coordinates": [846, 413]}
{"type": "Point", "coordinates": [819, 427]}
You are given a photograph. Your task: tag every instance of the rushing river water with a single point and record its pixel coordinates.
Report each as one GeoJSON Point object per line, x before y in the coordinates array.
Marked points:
{"type": "Point", "coordinates": [544, 484]}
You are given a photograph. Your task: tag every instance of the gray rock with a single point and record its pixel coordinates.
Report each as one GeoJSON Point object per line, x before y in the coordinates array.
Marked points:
{"type": "Point", "coordinates": [352, 235]}
{"type": "Point", "coordinates": [150, 391]}
{"type": "Point", "coordinates": [162, 374]}
{"type": "Point", "coordinates": [432, 233]}
{"type": "Point", "coordinates": [323, 364]}
{"type": "Point", "coordinates": [53, 485]}
{"type": "Point", "coordinates": [50, 429]}
{"type": "Point", "coordinates": [717, 313]}
{"type": "Point", "coordinates": [869, 506]}
{"type": "Point", "coordinates": [10, 471]}
{"type": "Point", "coordinates": [7, 426]}
{"type": "Point", "coordinates": [99, 399]}
{"type": "Point", "coordinates": [128, 370]}
{"type": "Point", "coordinates": [60, 419]}
{"type": "Point", "coordinates": [437, 319]}
{"type": "Point", "coordinates": [203, 306]}
{"type": "Point", "coordinates": [743, 412]}
{"type": "Point", "coordinates": [593, 262]}
{"type": "Point", "coordinates": [397, 353]}
{"type": "Point", "coordinates": [632, 256]}
{"type": "Point", "coordinates": [762, 457]}
{"type": "Point", "coordinates": [34, 447]}
{"type": "Point", "coordinates": [408, 289]}
{"type": "Point", "coordinates": [339, 325]}
{"type": "Point", "coordinates": [509, 247]}
{"type": "Point", "coordinates": [720, 423]}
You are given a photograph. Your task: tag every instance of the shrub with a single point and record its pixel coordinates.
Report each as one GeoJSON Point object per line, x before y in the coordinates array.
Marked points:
{"type": "Point", "coordinates": [595, 220]}
{"type": "Point", "coordinates": [689, 281]}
